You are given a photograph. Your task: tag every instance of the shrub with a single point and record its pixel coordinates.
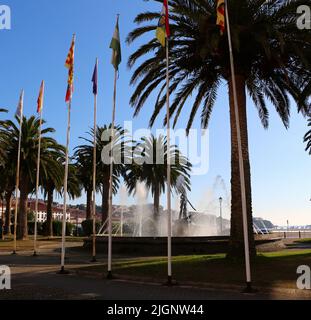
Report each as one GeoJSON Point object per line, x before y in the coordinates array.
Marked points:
{"type": "Point", "coordinates": [57, 228]}
{"type": "Point", "coordinates": [87, 227]}
{"type": "Point", "coordinates": [31, 228]}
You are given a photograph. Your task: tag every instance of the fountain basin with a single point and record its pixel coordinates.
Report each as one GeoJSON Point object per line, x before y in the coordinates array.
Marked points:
{"type": "Point", "coordinates": [150, 246]}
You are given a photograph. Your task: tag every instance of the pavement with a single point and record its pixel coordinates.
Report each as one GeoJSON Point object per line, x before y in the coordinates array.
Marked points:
{"type": "Point", "coordinates": [36, 278]}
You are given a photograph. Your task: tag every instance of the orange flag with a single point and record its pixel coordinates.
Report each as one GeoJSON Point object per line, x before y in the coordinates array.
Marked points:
{"type": "Point", "coordinates": [221, 15]}
{"type": "Point", "coordinates": [40, 98]}
{"type": "Point", "coordinates": [69, 64]}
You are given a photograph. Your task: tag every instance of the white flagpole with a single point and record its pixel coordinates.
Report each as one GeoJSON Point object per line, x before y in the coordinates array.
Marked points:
{"type": "Point", "coordinates": [18, 168]}
{"type": "Point", "coordinates": [109, 276]}
{"type": "Point", "coordinates": [94, 174]}
{"type": "Point", "coordinates": [241, 164]}
{"type": "Point", "coordinates": [37, 187]}
{"type": "Point", "coordinates": [169, 209]}
{"type": "Point", "coordinates": [62, 270]}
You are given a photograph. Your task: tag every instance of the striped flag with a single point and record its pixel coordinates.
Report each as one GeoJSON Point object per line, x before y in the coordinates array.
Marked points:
{"type": "Point", "coordinates": [221, 15]}
{"type": "Point", "coordinates": [95, 79]}
{"type": "Point", "coordinates": [69, 64]}
{"type": "Point", "coordinates": [20, 106]}
{"type": "Point", "coordinates": [116, 47]}
{"type": "Point", "coordinates": [40, 98]}
{"type": "Point", "coordinates": [163, 30]}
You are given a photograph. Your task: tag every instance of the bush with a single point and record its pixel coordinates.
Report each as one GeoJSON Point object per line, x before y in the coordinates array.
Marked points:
{"type": "Point", "coordinates": [57, 228]}
{"type": "Point", "coordinates": [31, 228]}
{"type": "Point", "coordinates": [69, 229]}
{"type": "Point", "coordinates": [87, 227]}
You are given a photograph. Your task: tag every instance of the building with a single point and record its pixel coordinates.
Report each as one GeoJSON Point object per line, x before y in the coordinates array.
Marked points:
{"type": "Point", "coordinates": [42, 211]}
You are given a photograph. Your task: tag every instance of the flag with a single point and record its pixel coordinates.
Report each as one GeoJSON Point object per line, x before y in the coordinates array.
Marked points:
{"type": "Point", "coordinates": [40, 98]}
{"type": "Point", "coordinates": [71, 54]}
{"type": "Point", "coordinates": [221, 15]}
{"type": "Point", "coordinates": [20, 106]}
{"type": "Point", "coordinates": [94, 79]}
{"type": "Point", "coordinates": [163, 29]}
{"type": "Point", "coordinates": [116, 47]}
{"type": "Point", "coordinates": [69, 64]}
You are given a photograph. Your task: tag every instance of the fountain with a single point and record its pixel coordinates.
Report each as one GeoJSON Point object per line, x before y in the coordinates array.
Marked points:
{"type": "Point", "coordinates": [202, 234]}
{"type": "Point", "coordinates": [199, 229]}
{"type": "Point", "coordinates": [123, 203]}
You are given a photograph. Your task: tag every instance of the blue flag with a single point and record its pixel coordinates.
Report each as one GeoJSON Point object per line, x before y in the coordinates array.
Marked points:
{"type": "Point", "coordinates": [94, 79]}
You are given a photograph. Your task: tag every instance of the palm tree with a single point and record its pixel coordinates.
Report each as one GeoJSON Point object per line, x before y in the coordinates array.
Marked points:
{"type": "Point", "coordinates": [2, 151]}
{"type": "Point", "coordinates": [29, 147]}
{"type": "Point", "coordinates": [84, 166]}
{"type": "Point", "coordinates": [50, 182]}
{"type": "Point", "coordinates": [307, 138]}
{"type": "Point", "coordinates": [150, 167]}
{"type": "Point", "coordinates": [272, 62]}
{"type": "Point", "coordinates": [103, 144]}
{"type": "Point", "coordinates": [7, 185]}
{"type": "Point", "coordinates": [53, 182]}
{"type": "Point", "coordinates": [6, 177]}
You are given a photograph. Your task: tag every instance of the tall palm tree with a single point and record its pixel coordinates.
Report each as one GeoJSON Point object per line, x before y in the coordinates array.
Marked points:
{"type": "Point", "coordinates": [272, 62]}
{"type": "Point", "coordinates": [307, 138]}
{"type": "Point", "coordinates": [2, 150]}
{"type": "Point", "coordinates": [84, 166]}
{"type": "Point", "coordinates": [150, 167]}
{"type": "Point", "coordinates": [7, 185]}
{"type": "Point", "coordinates": [29, 148]}
{"type": "Point", "coordinates": [103, 144]}
{"type": "Point", "coordinates": [6, 180]}
{"type": "Point", "coordinates": [53, 182]}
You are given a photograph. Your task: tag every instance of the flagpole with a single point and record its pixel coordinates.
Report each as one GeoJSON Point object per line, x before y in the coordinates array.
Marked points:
{"type": "Point", "coordinates": [37, 188]}
{"type": "Point", "coordinates": [169, 210]}
{"type": "Point", "coordinates": [63, 251]}
{"type": "Point", "coordinates": [115, 64]}
{"type": "Point", "coordinates": [241, 164]}
{"type": "Point", "coordinates": [62, 270]}
{"type": "Point", "coordinates": [109, 276]}
{"type": "Point", "coordinates": [94, 174]}
{"type": "Point", "coordinates": [18, 169]}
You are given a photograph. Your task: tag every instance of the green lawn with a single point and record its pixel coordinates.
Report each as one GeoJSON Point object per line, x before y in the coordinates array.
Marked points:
{"type": "Point", "coordinates": [7, 244]}
{"type": "Point", "coordinates": [269, 269]}
{"type": "Point", "coordinates": [306, 241]}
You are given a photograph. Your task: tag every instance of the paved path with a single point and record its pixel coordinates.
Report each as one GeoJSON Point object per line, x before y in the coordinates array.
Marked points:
{"type": "Point", "coordinates": [36, 278]}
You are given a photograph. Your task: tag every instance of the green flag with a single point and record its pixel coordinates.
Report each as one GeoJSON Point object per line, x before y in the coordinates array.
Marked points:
{"type": "Point", "coordinates": [116, 47]}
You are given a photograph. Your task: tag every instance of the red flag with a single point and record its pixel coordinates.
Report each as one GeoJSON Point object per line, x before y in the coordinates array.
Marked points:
{"type": "Point", "coordinates": [167, 22]}
{"type": "Point", "coordinates": [221, 15]}
{"type": "Point", "coordinates": [69, 64]}
{"type": "Point", "coordinates": [40, 98]}
{"type": "Point", "coordinates": [163, 30]}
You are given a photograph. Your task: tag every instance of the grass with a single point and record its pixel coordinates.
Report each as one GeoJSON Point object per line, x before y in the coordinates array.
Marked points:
{"type": "Point", "coordinates": [7, 243]}
{"type": "Point", "coordinates": [269, 269]}
{"type": "Point", "coordinates": [304, 241]}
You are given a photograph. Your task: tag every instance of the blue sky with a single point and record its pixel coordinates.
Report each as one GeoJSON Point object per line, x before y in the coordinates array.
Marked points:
{"type": "Point", "coordinates": [36, 49]}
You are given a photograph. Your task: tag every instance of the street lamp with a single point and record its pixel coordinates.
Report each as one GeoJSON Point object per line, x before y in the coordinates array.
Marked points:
{"type": "Point", "coordinates": [220, 210]}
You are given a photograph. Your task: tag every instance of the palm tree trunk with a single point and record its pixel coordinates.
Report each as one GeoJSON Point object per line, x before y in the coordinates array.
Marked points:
{"type": "Point", "coordinates": [105, 199]}
{"type": "Point", "coordinates": [88, 204]}
{"type": "Point", "coordinates": [236, 244]}
{"type": "Point", "coordinates": [49, 214]}
{"type": "Point", "coordinates": [8, 205]}
{"type": "Point", "coordinates": [23, 210]}
{"type": "Point", "coordinates": [156, 203]}
{"type": "Point", "coordinates": [156, 210]}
